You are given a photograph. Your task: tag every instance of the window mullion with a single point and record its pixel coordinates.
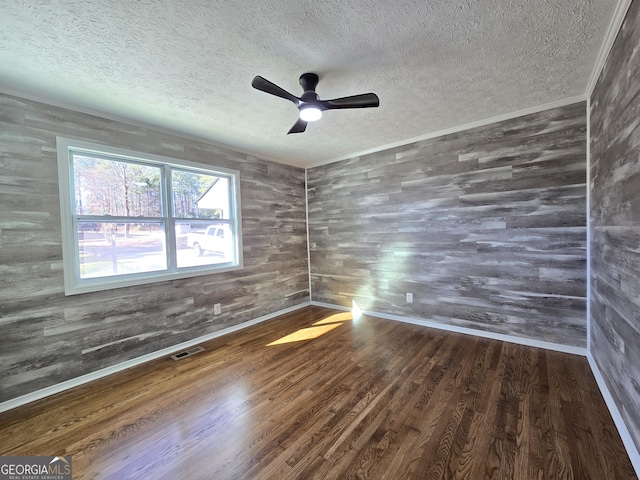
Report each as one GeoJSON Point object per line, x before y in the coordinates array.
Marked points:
{"type": "Point", "coordinates": [74, 232]}
{"type": "Point", "coordinates": [118, 219]}
{"type": "Point", "coordinates": [170, 224]}
{"type": "Point", "coordinates": [233, 200]}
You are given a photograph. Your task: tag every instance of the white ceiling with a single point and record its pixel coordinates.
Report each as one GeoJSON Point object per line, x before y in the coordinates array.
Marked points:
{"type": "Point", "coordinates": [187, 65]}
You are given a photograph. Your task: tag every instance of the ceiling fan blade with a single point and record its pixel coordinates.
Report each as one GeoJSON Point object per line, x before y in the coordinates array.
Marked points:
{"type": "Point", "coordinates": [298, 127]}
{"type": "Point", "coordinates": [266, 86]}
{"type": "Point", "coordinates": [365, 100]}
{"type": "Point", "coordinates": [309, 100]}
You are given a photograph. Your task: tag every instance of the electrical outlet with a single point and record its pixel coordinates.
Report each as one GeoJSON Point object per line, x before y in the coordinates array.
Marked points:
{"type": "Point", "coordinates": [217, 309]}
{"type": "Point", "coordinates": [409, 297]}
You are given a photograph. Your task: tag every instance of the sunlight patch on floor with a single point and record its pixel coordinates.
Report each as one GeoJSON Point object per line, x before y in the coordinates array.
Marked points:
{"type": "Point", "coordinates": [335, 318]}
{"type": "Point", "coordinates": [305, 334]}
{"type": "Point", "coordinates": [320, 327]}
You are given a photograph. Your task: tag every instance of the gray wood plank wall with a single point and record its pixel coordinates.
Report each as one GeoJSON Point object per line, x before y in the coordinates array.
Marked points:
{"type": "Point", "coordinates": [615, 222]}
{"type": "Point", "coordinates": [45, 337]}
{"type": "Point", "coordinates": [486, 227]}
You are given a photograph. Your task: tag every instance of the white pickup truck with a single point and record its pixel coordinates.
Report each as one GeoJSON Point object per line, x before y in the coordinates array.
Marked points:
{"type": "Point", "coordinates": [215, 238]}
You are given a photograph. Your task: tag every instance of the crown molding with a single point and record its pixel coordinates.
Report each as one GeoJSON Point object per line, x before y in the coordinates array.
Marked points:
{"type": "Point", "coordinates": [609, 39]}
{"type": "Point", "coordinates": [460, 128]}
{"type": "Point", "coordinates": [75, 107]}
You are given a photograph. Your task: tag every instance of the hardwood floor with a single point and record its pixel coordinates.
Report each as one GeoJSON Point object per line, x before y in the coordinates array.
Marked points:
{"type": "Point", "coordinates": [368, 398]}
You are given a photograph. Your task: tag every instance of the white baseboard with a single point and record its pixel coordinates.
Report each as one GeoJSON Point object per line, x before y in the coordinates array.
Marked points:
{"type": "Point", "coordinates": [468, 331]}
{"type": "Point", "coordinates": [629, 444]}
{"type": "Point", "coordinates": [89, 377]}
{"type": "Point", "coordinates": [627, 440]}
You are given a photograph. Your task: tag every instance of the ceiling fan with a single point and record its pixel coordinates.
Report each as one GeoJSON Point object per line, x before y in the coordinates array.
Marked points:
{"type": "Point", "coordinates": [310, 106]}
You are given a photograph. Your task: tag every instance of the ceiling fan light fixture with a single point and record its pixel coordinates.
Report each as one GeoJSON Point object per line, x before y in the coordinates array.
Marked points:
{"type": "Point", "coordinates": [309, 105]}
{"type": "Point", "coordinates": [310, 114]}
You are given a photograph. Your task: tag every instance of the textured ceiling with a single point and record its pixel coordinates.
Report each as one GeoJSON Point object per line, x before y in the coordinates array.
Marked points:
{"type": "Point", "coordinates": [187, 65]}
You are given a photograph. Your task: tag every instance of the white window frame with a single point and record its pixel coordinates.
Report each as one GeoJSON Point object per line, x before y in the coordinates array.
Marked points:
{"type": "Point", "coordinates": [73, 284]}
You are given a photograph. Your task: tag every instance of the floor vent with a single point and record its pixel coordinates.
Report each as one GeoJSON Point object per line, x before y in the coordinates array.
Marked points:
{"type": "Point", "coordinates": [187, 353]}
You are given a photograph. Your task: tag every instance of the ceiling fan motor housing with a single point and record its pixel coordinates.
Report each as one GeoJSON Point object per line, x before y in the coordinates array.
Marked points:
{"type": "Point", "coordinates": [309, 82]}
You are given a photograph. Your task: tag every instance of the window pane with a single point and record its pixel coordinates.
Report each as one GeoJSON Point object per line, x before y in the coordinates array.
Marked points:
{"type": "Point", "coordinates": [108, 249]}
{"type": "Point", "coordinates": [109, 187]}
{"type": "Point", "coordinates": [203, 243]}
{"type": "Point", "coordinates": [197, 195]}
{"type": "Point", "coordinates": [131, 218]}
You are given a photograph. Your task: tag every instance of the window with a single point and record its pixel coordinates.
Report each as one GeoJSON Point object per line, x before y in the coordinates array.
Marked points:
{"type": "Point", "coordinates": [130, 218]}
